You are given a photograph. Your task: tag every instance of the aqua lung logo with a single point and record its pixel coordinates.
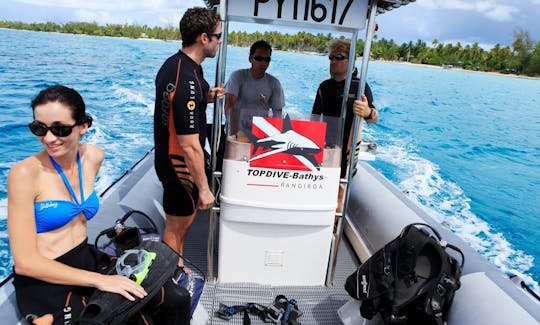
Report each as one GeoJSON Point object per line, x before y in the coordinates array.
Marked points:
{"type": "Point", "coordinates": [297, 146]}
{"type": "Point", "coordinates": [166, 103]}
{"type": "Point", "coordinates": [67, 315]}
{"type": "Point", "coordinates": [365, 284]}
{"type": "Point", "coordinates": [191, 104]}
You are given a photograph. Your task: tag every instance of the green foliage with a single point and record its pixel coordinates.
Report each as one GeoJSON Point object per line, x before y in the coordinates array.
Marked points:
{"type": "Point", "coordinates": [522, 58]}
{"type": "Point", "coordinates": [114, 30]}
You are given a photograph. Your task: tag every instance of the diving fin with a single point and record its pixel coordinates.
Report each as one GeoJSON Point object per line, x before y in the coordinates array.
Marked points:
{"type": "Point", "coordinates": [158, 261]}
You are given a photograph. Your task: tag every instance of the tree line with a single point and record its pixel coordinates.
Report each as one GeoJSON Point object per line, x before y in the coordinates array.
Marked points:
{"type": "Point", "coordinates": [113, 30]}
{"type": "Point", "coordinates": [523, 57]}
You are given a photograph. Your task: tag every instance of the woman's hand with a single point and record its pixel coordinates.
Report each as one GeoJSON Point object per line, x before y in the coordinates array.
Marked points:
{"type": "Point", "coordinates": [122, 285]}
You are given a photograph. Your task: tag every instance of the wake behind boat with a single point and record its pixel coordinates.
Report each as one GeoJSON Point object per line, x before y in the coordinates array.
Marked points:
{"type": "Point", "coordinates": [275, 230]}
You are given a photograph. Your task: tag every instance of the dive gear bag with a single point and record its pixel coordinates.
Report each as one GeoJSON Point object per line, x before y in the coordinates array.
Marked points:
{"type": "Point", "coordinates": [122, 237]}
{"type": "Point", "coordinates": [112, 308]}
{"type": "Point", "coordinates": [135, 228]}
{"type": "Point", "coordinates": [411, 280]}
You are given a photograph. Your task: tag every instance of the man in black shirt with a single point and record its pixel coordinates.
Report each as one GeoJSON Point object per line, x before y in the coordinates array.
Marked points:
{"type": "Point", "coordinates": [330, 96]}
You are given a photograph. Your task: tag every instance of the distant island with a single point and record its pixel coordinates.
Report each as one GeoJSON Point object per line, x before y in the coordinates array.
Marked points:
{"type": "Point", "coordinates": [523, 58]}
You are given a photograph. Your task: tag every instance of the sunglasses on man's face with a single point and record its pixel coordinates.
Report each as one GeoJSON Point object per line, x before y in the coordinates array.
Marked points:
{"type": "Point", "coordinates": [218, 36]}
{"type": "Point", "coordinates": [41, 129]}
{"type": "Point", "coordinates": [339, 57]}
{"type": "Point", "coordinates": [262, 58]}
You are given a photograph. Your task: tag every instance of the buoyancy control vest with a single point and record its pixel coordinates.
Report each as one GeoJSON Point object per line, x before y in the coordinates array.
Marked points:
{"type": "Point", "coordinates": [411, 280]}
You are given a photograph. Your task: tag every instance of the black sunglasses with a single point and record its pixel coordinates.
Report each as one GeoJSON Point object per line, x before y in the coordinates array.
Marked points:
{"type": "Point", "coordinates": [339, 57]}
{"type": "Point", "coordinates": [262, 58]}
{"type": "Point", "coordinates": [218, 36]}
{"type": "Point", "coordinates": [41, 129]}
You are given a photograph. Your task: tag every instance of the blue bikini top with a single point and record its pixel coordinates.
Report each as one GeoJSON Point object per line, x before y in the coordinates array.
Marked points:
{"type": "Point", "coordinates": [53, 214]}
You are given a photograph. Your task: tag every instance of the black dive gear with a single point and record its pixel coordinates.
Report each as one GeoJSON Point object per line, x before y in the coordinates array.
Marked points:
{"type": "Point", "coordinates": [111, 308]}
{"type": "Point", "coordinates": [282, 311]}
{"type": "Point", "coordinates": [411, 280]}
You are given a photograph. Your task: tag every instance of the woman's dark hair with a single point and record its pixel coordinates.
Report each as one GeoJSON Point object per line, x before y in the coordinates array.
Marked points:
{"type": "Point", "coordinates": [67, 96]}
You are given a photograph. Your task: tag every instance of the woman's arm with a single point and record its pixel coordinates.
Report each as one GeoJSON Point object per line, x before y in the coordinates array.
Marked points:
{"type": "Point", "coordinates": [23, 240]}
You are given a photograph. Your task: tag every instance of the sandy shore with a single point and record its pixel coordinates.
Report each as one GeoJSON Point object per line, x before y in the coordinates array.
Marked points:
{"type": "Point", "coordinates": [459, 69]}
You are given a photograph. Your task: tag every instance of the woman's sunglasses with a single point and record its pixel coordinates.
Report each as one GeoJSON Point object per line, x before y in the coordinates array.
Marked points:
{"type": "Point", "coordinates": [41, 129]}
{"type": "Point", "coordinates": [339, 57]}
{"type": "Point", "coordinates": [262, 58]}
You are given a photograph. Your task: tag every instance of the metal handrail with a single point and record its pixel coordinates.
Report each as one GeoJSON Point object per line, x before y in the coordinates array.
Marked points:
{"type": "Point", "coordinates": [355, 129]}
{"type": "Point", "coordinates": [219, 106]}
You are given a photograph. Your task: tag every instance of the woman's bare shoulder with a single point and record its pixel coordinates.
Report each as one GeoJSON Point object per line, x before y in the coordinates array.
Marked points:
{"type": "Point", "coordinates": [92, 153]}
{"type": "Point", "coordinates": [27, 168]}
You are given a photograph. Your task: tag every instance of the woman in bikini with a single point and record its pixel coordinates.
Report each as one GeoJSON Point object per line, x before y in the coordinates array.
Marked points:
{"type": "Point", "coordinates": [51, 198]}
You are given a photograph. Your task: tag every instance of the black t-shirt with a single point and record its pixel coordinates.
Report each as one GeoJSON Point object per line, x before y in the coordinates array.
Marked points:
{"type": "Point", "coordinates": [181, 93]}
{"type": "Point", "coordinates": [328, 102]}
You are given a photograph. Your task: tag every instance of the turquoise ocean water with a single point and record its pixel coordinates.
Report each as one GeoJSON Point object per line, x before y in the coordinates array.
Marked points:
{"type": "Point", "coordinates": [466, 146]}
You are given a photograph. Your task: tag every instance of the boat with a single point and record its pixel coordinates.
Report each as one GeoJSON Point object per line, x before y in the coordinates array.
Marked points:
{"type": "Point", "coordinates": [275, 231]}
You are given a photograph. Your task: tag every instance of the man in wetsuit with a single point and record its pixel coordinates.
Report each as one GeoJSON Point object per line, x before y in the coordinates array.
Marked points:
{"type": "Point", "coordinates": [330, 97]}
{"type": "Point", "coordinates": [180, 123]}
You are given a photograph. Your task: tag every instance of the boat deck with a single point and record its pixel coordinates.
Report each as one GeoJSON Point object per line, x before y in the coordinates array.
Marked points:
{"type": "Point", "coordinates": [319, 304]}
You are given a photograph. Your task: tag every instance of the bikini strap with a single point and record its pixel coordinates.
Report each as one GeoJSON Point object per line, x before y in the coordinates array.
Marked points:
{"type": "Point", "coordinates": [66, 181]}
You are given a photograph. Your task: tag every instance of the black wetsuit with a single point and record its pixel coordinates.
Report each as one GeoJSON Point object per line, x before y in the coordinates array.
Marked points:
{"type": "Point", "coordinates": [328, 102]}
{"type": "Point", "coordinates": [180, 109]}
{"type": "Point", "coordinates": [64, 302]}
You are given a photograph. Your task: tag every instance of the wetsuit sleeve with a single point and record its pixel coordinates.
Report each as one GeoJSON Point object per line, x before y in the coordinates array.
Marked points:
{"type": "Point", "coordinates": [369, 96]}
{"type": "Point", "coordinates": [317, 105]}
{"type": "Point", "coordinates": [188, 102]}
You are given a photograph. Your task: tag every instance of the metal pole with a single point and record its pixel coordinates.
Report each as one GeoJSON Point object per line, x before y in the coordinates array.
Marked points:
{"type": "Point", "coordinates": [335, 242]}
{"type": "Point", "coordinates": [219, 105]}
{"type": "Point", "coordinates": [361, 89]}
{"type": "Point", "coordinates": [365, 60]}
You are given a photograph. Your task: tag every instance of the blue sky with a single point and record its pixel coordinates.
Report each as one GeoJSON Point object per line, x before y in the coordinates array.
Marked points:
{"type": "Point", "coordinates": [484, 21]}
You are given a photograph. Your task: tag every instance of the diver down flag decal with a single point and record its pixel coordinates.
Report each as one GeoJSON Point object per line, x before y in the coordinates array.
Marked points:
{"type": "Point", "coordinates": [284, 144]}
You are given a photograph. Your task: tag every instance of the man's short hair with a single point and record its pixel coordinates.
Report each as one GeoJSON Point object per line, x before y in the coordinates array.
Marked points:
{"type": "Point", "coordinates": [260, 45]}
{"type": "Point", "coordinates": [196, 21]}
{"type": "Point", "coordinates": [339, 45]}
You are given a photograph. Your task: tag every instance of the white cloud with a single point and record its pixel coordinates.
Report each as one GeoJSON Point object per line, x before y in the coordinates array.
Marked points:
{"type": "Point", "coordinates": [496, 12]}
{"type": "Point", "coordinates": [107, 5]}
{"type": "Point", "coordinates": [103, 17]}
{"type": "Point", "coordinates": [493, 10]}
{"type": "Point", "coordinates": [445, 4]}
{"type": "Point", "coordinates": [150, 12]}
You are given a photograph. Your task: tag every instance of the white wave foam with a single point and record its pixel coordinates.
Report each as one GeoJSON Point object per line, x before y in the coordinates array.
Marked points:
{"type": "Point", "coordinates": [3, 211]}
{"type": "Point", "coordinates": [446, 202]}
{"type": "Point", "coordinates": [125, 96]}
